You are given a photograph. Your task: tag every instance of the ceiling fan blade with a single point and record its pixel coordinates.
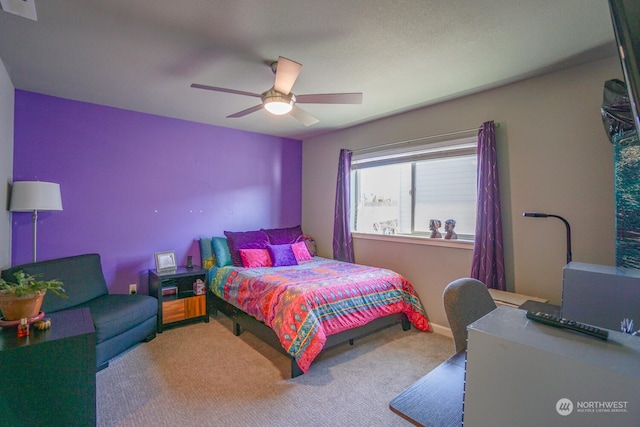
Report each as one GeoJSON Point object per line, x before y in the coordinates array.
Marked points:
{"type": "Point", "coordinates": [304, 117]}
{"type": "Point", "coordinates": [221, 89]}
{"type": "Point", "coordinates": [245, 112]}
{"type": "Point", "coordinates": [330, 98]}
{"type": "Point", "coordinates": [286, 74]}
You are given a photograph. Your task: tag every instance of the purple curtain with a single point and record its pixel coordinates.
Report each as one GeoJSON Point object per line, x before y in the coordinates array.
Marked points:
{"type": "Point", "coordinates": [342, 242]}
{"type": "Point", "coordinates": [488, 254]}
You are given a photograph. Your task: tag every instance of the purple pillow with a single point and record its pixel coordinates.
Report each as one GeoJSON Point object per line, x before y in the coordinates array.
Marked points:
{"type": "Point", "coordinates": [282, 255]}
{"type": "Point", "coordinates": [283, 236]}
{"type": "Point", "coordinates": [257, 239]}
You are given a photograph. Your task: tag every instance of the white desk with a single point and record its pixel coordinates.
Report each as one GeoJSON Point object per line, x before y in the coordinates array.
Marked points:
{"type": "Point", "coordinates": [518, 370]}
{"type": "Point", "coordinates": [512, 299]}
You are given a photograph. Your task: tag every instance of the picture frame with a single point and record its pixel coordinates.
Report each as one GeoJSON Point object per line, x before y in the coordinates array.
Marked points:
{"type": "Point", "coordinates": [165, 261]}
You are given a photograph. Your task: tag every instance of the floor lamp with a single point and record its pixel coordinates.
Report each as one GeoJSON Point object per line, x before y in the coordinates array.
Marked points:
{"type": "Point", "coordinates": [34, 196]}
{"type": "Point", "coordinates": [566, 223]}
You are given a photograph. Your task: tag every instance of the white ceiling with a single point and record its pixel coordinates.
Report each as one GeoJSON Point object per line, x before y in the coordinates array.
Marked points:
{"type": "Point", "coordinates": [142, 55]}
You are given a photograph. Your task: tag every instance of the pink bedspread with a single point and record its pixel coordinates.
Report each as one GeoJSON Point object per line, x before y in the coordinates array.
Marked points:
{"type": "Point", "coordinates": [306, 303]}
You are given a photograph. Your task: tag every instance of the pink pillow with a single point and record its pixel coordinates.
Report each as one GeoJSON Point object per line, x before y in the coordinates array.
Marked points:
{"type": "Point", "coordinates": [300, 251]}
{"type": "Point", "coordinates": [253, 258]}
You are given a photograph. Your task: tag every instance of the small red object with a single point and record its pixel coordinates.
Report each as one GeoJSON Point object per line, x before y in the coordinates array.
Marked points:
{"type": "Point", "coordinates": [23, 328]}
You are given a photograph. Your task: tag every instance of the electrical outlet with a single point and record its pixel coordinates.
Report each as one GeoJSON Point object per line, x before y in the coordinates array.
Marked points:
{"type": "Point", "coordinates": [133, 289]}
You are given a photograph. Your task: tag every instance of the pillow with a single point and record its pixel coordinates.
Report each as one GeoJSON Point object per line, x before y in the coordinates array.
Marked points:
{"type": "Point", "coordinates": [257, 239]}
{"type": "Point", "coordinates": [300, 251]}
{"type": "Point", "coordinates": [282, 255]}
{"type": "Point", "coordinates": [253, 258]}
{"type": "Point", "coordinates": [311, 244]}
{"type": "Point", "coordinates": [283, 236]}
{"type": "Point", "coordinates": [207, 259]}
{"type": "Point", "coordinates": [221, 251]}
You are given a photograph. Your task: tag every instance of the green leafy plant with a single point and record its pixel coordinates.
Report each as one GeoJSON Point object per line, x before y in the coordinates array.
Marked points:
{"type": "Point", "coordinates": [27, 284]}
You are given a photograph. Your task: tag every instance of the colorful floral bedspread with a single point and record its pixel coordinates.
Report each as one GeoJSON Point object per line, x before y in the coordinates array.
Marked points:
{"type": "Point", "coordinates": [306, 303]}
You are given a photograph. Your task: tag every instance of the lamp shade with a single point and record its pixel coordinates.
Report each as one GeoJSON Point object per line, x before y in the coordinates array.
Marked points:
{"type": "Point", "coordinates": [27, 196]}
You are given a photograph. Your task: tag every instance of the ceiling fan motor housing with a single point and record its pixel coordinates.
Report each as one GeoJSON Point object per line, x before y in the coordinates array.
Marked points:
{"type": "Point", "coordinates": [276, 102]}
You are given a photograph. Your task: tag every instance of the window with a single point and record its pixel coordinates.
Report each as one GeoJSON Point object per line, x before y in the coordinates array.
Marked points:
{"type": "Point", "coordinates": [401, 191]}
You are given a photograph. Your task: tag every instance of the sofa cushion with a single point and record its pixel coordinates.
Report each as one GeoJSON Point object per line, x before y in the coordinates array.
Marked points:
{"type": "Point", "coordinates": [116, 313]}
{"type": "Point", "coordinates": [81, 274]}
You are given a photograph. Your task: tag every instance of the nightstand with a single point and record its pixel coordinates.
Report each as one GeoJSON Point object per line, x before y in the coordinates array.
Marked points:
{"type": "Point", "coordinates": [177, 301]}
{"type": "Point", "coordinates": [49, 377]}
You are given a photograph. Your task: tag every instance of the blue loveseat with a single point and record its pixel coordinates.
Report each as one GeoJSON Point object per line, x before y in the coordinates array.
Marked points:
{"type": "Point", "coordinates": [121, 321]}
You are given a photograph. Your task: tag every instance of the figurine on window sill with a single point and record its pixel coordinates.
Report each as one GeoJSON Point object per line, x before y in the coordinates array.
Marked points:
{"type": "Point", "coordinates": [434, 225]}
{"type": "Point", "coordinates": [449, 225]}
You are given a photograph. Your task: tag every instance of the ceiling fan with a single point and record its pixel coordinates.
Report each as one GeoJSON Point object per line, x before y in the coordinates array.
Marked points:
{"type": "Point", "coordinates": [280, 100]}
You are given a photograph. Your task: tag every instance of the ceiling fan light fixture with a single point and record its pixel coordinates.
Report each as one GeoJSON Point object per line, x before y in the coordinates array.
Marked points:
{"type": "Point", "coordinates": [279, 100]}
{"type": "Point", "coordinates": [278, 103]}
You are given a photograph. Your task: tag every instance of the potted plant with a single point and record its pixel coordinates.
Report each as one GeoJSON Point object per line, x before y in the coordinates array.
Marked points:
{"type": "Point", "coordinates": [23, 298]}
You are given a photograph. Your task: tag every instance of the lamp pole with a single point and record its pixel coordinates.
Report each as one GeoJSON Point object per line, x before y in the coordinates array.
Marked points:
{"type": "Point", "coordinates": [34, 217]}
{"type": "Point", "coordinates": [566, 223]}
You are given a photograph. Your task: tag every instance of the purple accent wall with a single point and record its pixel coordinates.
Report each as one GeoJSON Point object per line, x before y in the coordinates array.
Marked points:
{"type": "Point", "coordinates": [134, 184]}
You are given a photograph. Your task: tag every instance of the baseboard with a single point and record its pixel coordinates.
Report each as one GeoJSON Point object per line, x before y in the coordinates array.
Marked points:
{"type": "Point", "coordinates": [442, 330]}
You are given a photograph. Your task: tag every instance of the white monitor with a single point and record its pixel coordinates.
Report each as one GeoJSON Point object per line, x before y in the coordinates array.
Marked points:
{"type": "Point", "coordinates": [603, 296]}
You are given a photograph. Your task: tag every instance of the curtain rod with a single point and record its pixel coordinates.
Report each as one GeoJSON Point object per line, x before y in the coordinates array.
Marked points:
{"type": "Point", "coordinates": [422, 138]}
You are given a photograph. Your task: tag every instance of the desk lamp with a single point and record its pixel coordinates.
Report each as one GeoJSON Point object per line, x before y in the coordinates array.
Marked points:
{"type": "Point", "coordinates": [566, 223]}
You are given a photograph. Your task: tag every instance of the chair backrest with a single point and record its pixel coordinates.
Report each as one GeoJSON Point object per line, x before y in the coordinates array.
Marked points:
{"type": "Point", "coordinates": [81, 276]}
{"type": "Point", "coordinates": [465, 301]}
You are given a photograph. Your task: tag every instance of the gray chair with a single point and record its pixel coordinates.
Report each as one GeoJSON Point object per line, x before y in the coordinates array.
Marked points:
{"type": "Point", "coordinates": [465, 301]}
{"type": "Point", "coordinates": [121, 321]}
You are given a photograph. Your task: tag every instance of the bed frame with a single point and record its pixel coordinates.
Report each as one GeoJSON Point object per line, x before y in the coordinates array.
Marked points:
{"type": "Point", "coordinates": [243, 321]}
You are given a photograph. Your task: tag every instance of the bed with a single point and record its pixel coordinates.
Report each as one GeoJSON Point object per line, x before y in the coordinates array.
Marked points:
{"type": "Point", "coordinates": [308, 304]}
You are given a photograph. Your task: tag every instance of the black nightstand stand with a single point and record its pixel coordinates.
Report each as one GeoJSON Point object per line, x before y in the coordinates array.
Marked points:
{"type": "Point", "coordinates": [177, 301]}
{"type": "Point", "coordinates": [49, 377]}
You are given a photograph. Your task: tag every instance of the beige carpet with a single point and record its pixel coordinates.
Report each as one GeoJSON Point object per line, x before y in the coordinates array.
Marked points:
{"type": "Point", "coordinates": [203, 375]}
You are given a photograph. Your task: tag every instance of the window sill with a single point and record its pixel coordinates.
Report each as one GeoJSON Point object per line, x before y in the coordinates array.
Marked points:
{"type": "Point", "coordinates": [416, 240]}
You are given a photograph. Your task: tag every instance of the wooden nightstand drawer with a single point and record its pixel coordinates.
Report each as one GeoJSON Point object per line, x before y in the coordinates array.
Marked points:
{"type": "Point", "coordinates": [173, 311]}
{"type": "Point", "coordinates": [184, 308]}
{"type": "Point", "coordinates": [195, 306]}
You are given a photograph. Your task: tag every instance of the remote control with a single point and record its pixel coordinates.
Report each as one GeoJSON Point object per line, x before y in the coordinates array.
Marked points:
{"type": "Point", "coordinates": [559, 322]}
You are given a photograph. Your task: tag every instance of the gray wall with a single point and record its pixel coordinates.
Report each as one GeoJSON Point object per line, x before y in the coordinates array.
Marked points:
{"type": "Point", "coordinates": [6, 162]}
{"type": "Point", "coordinates": [554, 157]}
